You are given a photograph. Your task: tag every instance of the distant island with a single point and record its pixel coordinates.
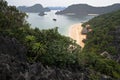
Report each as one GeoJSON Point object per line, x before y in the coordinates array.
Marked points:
{"type": "Point", "coordinates": [41, 14]}
{"type": "Point", "coordinates": [37, 8]}
{"type": "Point", "coordinates": [84, 9]}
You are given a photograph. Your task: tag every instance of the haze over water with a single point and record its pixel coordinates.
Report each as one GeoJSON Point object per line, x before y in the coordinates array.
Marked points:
{"type": "Point", "coordinates": [63, 22]}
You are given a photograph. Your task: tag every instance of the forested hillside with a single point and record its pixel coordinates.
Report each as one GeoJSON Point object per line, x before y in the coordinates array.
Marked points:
{"type": "Point", "coordinates": [105, 35]}
{"type": "Point", "coordinates": [35, 54]}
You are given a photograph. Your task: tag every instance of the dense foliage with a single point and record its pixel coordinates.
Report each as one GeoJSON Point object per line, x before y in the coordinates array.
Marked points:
{"type": "Point", "coordinates": [51, 48]}
{"type": "Point", "coordinates": [104, 38]}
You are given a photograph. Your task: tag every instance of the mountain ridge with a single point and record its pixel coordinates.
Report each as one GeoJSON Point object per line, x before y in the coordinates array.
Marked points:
{"type": "Point", "coordinates": [85, 9]}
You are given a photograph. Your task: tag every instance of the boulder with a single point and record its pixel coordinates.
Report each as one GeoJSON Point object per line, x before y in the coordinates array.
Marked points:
{"type": "Point", "coordinates": [84, 31]}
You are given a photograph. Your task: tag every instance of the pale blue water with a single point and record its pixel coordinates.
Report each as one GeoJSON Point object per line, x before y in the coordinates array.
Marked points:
{"type": "Point", "coordinates": [63, 22]}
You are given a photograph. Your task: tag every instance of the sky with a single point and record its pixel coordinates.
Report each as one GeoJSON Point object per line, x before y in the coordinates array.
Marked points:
{"type": "Point", "coordinates": [65, 3]}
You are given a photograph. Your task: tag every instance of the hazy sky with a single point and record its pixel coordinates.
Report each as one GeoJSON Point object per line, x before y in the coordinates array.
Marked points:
{"type": "Point", "coordinates": [62, 2]}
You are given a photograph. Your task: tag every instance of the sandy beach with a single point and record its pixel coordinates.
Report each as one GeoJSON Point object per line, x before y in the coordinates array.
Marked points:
{"type": "Point", "coordinates": [75, 34]}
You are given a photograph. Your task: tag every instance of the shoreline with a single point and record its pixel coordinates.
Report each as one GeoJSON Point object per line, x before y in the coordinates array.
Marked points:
{"type": "Point", "coordinates": [75, 33]}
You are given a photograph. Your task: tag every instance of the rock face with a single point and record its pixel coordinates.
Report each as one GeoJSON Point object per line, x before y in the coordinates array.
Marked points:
{"type": "Point", "coordinates": [84, 9]}
{"type": "Point", "coordinates": [14, 66]}
{"type": "Point", "coordinates": [12, 47]}
{"type": "Point", "coordinates": [12, 69]}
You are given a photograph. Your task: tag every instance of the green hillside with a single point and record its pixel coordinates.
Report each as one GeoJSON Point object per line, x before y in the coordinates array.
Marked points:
{"type": "Point", "coordinates": [105, 35]}
{"type": "Point", "coordinates": [50, 48]}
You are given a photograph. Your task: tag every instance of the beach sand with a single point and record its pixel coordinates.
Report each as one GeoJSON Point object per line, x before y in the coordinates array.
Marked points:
{"type": "Point", "coordinates": [75, 34]}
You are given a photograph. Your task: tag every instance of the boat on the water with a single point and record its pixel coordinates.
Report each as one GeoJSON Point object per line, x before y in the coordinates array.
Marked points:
{"type": "Point", "coordinates": [54, 19]}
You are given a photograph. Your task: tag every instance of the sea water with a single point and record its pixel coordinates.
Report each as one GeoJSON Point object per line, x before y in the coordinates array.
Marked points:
{"type": "Point", "coordinates": [63, 22]}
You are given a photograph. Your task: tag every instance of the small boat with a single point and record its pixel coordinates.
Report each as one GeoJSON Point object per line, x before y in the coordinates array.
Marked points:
{"type": "Point", "coordinates": [54, 19]}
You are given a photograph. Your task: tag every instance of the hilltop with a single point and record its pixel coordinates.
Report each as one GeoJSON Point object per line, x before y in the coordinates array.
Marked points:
{"type": "Point", "coordinates": [37, 8]}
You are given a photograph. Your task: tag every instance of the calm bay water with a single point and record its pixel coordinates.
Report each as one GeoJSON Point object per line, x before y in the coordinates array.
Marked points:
{"type": "Point", "coordinates": [63, 22]}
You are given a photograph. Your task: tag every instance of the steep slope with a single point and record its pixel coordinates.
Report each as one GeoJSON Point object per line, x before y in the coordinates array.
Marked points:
{"type": "Point", "coordinates": [105, 35]}
{"type": "Point", "coordinates": [50, 56]}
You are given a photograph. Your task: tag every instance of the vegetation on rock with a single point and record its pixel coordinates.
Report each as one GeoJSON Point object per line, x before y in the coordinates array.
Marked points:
{"type": "Point", "coordinates": [50, 48]}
